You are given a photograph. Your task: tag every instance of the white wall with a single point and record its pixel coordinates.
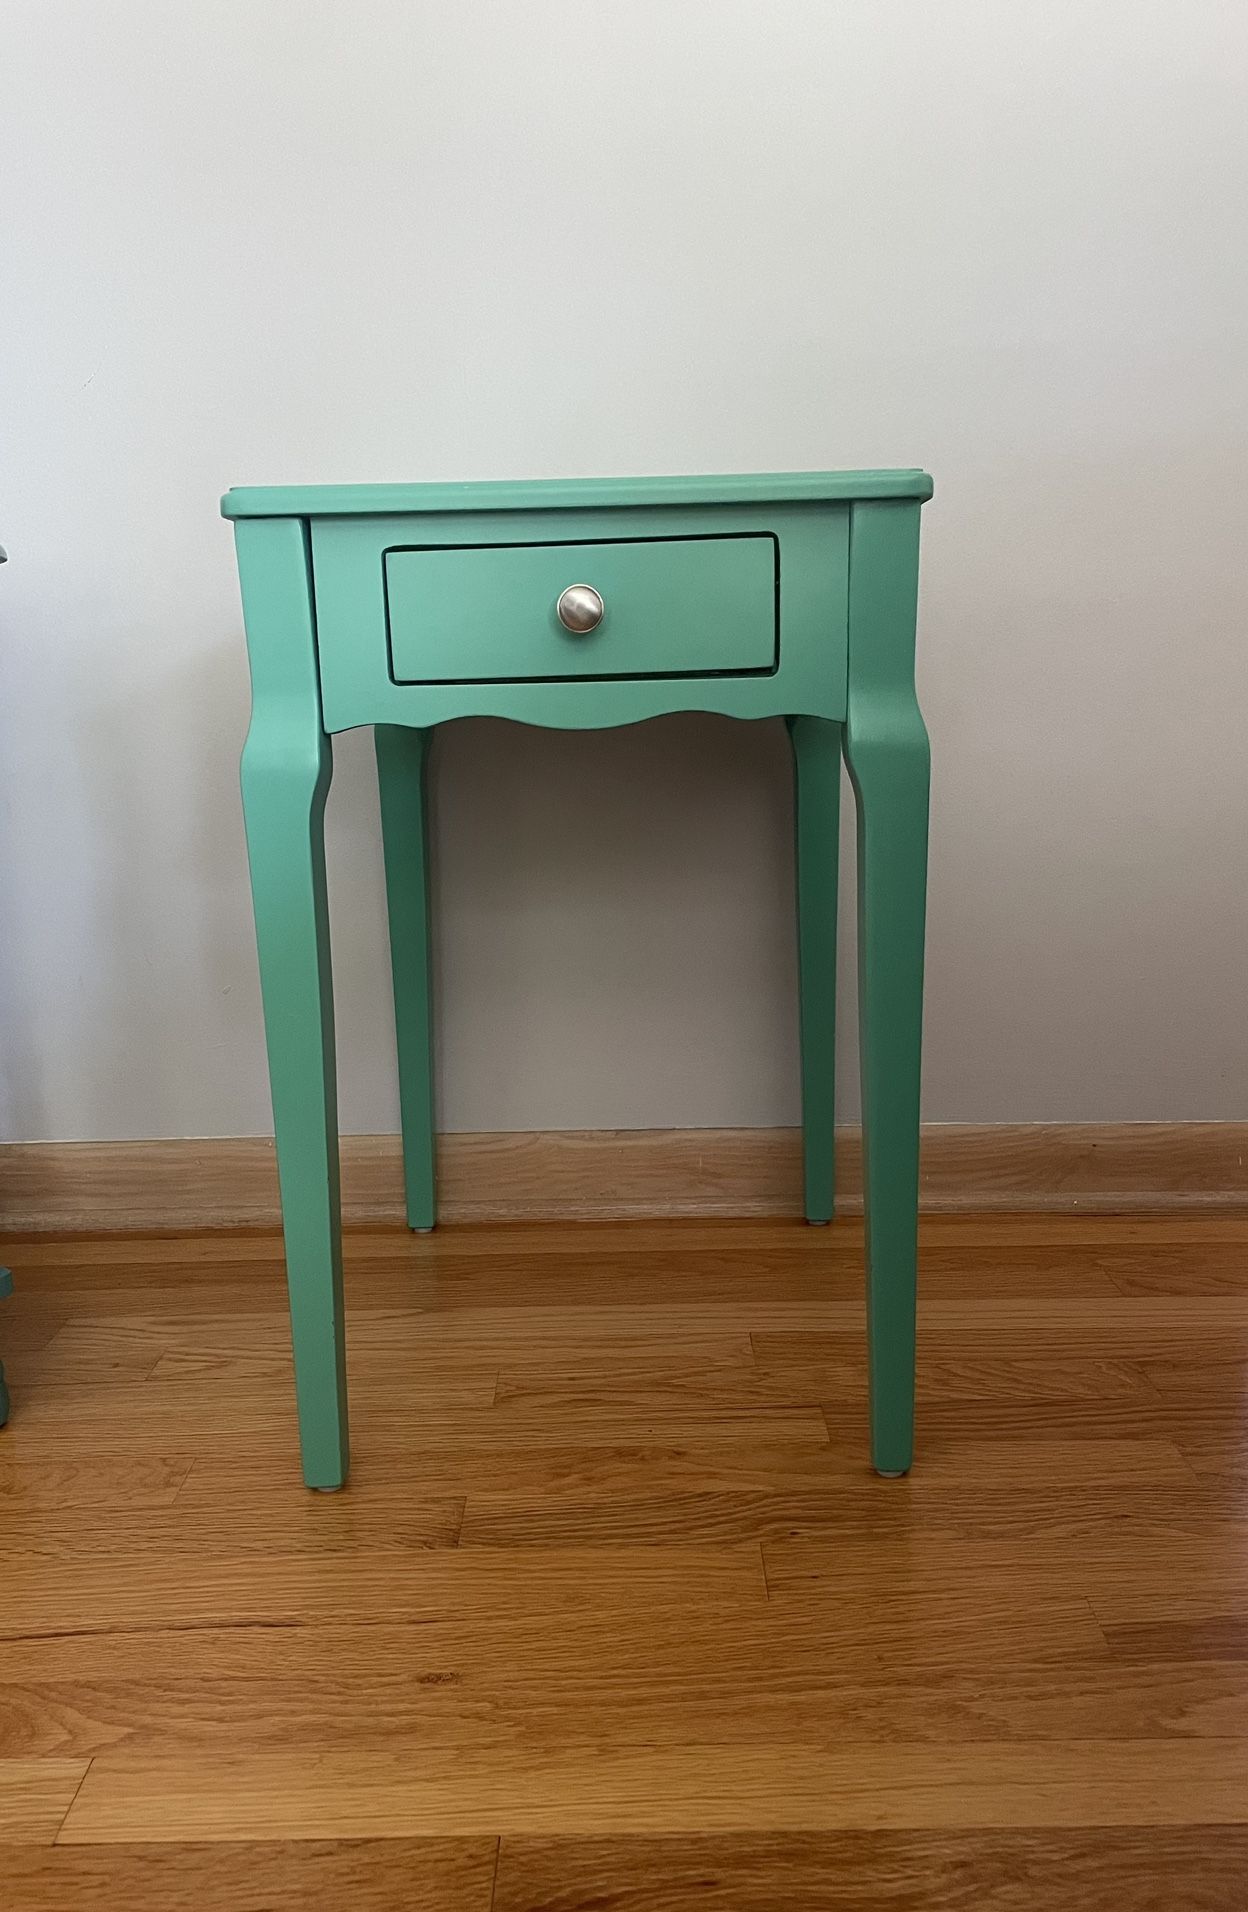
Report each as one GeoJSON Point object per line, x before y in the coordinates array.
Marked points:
{"type": "Point", "coordinates": [252, 241]}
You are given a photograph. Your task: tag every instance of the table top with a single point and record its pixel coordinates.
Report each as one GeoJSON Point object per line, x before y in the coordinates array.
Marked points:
{"type": "Point", "coordinates": [793, 487]}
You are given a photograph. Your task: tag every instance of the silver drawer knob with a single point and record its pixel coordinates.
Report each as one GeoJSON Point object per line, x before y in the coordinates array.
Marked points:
{"type": "Point", "coordinates": [580, 609]}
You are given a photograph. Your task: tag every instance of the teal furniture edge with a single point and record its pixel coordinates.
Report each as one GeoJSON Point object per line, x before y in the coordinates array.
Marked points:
{"type": "Point", "coordinates": [571, 494]}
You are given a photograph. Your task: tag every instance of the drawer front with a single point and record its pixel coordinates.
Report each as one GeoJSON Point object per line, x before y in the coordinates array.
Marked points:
{"type": "Point", "coordinates": [670, 607]}
{"type": "Point", "coordinates": [424, 617]}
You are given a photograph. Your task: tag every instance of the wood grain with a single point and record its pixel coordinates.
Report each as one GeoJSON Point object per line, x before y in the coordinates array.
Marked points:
{"type": "Point", "coordinates": [151, 1256]}
{"type": "Point", "coordinates": [102, 1486]}
{"type": "Point", "coordinates": [35, 1795]}
{"type": "Point", "coordinates": [613, 1572]}
{"type": "Point", "coordinates": [709, 1676]}
{"type": "Point", "coordinates": [621, 1173]}
{"type": "Point", "coordinates": [254, 1589]}
{"type": "Point", "coordinates": [390, 1875]}
{"type": "Point", "coordinates": [457, 1705]}
{"type": "Point", "coordinates": [372, 1794]}
{"type": "Point", "coordinates": [1102, 1870]}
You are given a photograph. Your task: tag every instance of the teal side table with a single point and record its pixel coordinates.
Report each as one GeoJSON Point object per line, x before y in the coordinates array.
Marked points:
{"type": "Point", "coordinates": [581, 605]}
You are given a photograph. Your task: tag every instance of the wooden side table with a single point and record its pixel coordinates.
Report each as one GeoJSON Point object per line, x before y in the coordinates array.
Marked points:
{"type": "Point", "coordinates": [580, 605]}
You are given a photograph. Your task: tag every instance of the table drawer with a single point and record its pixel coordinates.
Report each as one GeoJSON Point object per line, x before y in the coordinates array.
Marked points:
{"type": "Point", "coordinates": [670, 607]}
{"type": "Point", "coordinates": [423, 617]}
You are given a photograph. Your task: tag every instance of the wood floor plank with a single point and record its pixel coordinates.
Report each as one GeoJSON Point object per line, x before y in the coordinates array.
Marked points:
{"type": "Point", "coordinates": [456, 1704]}
{"type": "Point", "coordinates": [950, 1425]}
{"type": "Point", "coordinates": [1194, 1382]}
{"type": "Point", "coordinates": [291, 1523]}
{"type": "Point", "coordinates": [1096, 1232]}
{"type": "Point", "coordinates": [1215, 1269]}
{"type": "Point", "coordinates": [378, 1875]}
{"type": "Point", "coordinates": [433, 1383]}
{"type": "Point", "coordinates": [448, 1694]}
{"type": "Point", "coordinates": [560, 1382]}
{"type": "Point", "coordinates": [804, 1266]}
{"type": "Point", "coordinates": [153, 1418]}
{"type": "Point", "coordinates": [963, 1453]}
{"type": "Point", "coordinates": [1141, 1329]}
{"type": "Point", "coordinates": [1217, 1454]}
{"type": "Point", "coordinates": [101, 1484]}
{"type": "Point", "coordinates": [1114, 1574]}
{"type": "Point", "coordinates": [362, 1794]}
{"type": "Point", "coordinates": [497, 1241]}
{"type": "Point", "coordinates": [725, 1277]}
{"type": "Point", "coordinates": [494, 1242]}
{"type": "Point", "coordinates": [35, 1795]}
{"type": "Point", "coordinates": [1190, 1598]}
{"type": "Point", "coordinates": [613, 1566]}
{"type": "Point", "coordinates": [50, 1595]}
{"type": "Point", "coordinates": [654, 1519]}
{"type": "Point", "coordinates": [81, 1353]}
{"type": "Point", "coordinates": [90, 1356]}
{"type": "Point", "coordinates": [613, 1671]}
{"type": "Point", "coordinates": [30, 1322]}
{"type": "Point", "coordinates": [1148, 1643]}
{"type": "Point", "coordinates": [393, 1342]}
{"type": "Point", "coordinates": [850, 1508]}
{"type": "Point", "coordinates": [1093, 1869]}
{"type": "Point", "coordinates": [596, 1496]}
{"type": "Point", "coordinates": [548, 1388]}
{"type": "Point", "coordinates": [549, 1473]}
{"type": "Point", "coordinates": [1011, 1379]}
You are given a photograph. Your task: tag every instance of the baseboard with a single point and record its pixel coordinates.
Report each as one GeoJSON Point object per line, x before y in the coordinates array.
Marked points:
{"type": "Point", "coordinates": [604, 1174]}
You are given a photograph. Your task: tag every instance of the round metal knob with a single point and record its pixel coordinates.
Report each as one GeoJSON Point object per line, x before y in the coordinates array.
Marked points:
{"type": "Point", "coordinates": [580, 609]}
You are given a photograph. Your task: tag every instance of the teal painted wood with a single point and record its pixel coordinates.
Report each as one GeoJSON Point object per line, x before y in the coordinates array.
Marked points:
{"type": "Point", "coordinates": [577, 494]}
{"type": "Point", "coordinates": [817, 807]}
{"type": "Point", "coordinates": [6, 1288]}
{"type": "Point", "coordinates": [886, 749]}
{"type": "Point", "coordinates": [357, 687]}
{"type": "Point", "coordinates": [674, 607]}
{"type": "Point", "coordinates": [286, 770]}
{"type": "Point", "coordinates": [402, 779]}
{"type": "Point", "coordinates": [315, 609]}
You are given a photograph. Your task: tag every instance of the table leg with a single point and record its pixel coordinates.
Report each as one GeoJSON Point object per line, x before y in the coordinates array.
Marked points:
{"type": "Point", "coordinates": [287, 763]}
{"type": "Point", "coordinates": [886, 749]}
{"type": "Point", "coordinates": [817, 781]}
{"type": "Point", "coordinates": [402, 775]}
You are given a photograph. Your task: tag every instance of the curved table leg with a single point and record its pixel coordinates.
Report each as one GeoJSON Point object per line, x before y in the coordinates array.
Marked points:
{"type": "Point", "coordinates": [886, 749]}
{"type": "Point", "coordinates": [287, 763]}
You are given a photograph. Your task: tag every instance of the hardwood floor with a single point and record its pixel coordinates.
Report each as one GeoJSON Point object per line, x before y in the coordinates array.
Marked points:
{"type": "Point", "coordinates": [613, 1614]}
